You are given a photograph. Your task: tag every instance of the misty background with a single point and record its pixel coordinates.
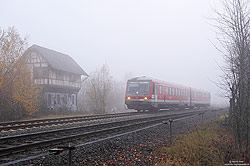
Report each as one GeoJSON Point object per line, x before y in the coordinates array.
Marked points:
{"type": "Point", "coordinates": [163, 39]}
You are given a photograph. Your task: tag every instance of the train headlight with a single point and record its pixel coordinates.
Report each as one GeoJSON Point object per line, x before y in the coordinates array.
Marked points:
{"type": "Point", "coordinates": [128, 98]}
{"type": "Point", "coordinates": [145, 98]}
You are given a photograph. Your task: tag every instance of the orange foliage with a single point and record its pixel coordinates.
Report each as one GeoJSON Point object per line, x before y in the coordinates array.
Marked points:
{"type": "Point", "coordinates": [25, 92]}
{"type": "Point", "coordinates": [17, 91]}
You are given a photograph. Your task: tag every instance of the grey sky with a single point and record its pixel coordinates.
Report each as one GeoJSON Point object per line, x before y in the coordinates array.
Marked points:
{"type": "Point", "coordinates": [165, 39]}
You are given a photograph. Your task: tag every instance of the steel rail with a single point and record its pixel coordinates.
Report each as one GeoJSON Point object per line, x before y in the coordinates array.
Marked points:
{"type": "Point", "coordinates": [144, 121]}
{"type": "Point", "coordinates": [98, 140]}
{"type": "Point", "coordinates": [42, 122]}
{"type": "Point", "coordinates": [50, 121]}
{"type": "Point", "coordinates": [23, 136]}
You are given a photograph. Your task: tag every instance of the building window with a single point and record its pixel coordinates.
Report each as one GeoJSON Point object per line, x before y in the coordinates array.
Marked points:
{"type": "Point", "coordinates": [59, 75]}
{"type": "Point", "coordinates": [49, 99]}
{"type": "Point", "coordinates": [65, 99]}
{"type": "Point", "coordinates": [160, 89]}
{"type": "Point", "coordinates": [40, 72]}
{"type": "Point", "coordinates": [58, 99]}
{"type": "Point", "coordinates": [73, 99]}
{"type": "Point", "coordinates": [166, 90]}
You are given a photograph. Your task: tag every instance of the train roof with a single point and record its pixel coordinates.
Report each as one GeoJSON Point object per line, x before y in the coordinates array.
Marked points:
{"type": "Point", "coordinates": [144, 78]}
{"type": "Point", "coordinates": [199, 90]}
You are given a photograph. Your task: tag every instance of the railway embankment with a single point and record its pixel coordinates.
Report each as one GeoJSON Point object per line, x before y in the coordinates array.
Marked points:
{"type": "Point", "coordinates": [145, 147]}
{"type": "Point", "coordinates": [211, 144]}
{"type": "Point", "coordinates": [185, 137]}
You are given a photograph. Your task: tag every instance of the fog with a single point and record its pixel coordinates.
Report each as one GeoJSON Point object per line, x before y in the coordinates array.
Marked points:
{"type": "Point", "coordinates": [163, 39]}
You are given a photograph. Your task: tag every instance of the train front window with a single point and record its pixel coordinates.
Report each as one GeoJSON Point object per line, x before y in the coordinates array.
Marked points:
{"type": "Point", "coordinates": [138, 88]}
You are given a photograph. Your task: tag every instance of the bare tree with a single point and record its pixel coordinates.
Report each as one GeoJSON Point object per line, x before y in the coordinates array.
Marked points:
{"type": "Point", "coordinates": [97, 90]}
{"type": "Point", "coordinates": [233, 24]}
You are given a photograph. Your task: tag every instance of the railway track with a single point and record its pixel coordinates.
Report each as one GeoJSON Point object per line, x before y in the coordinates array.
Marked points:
{"type": "Point", "coordinates": [13, 145]}
{"type": "Point", "coordinates": [14, 125]}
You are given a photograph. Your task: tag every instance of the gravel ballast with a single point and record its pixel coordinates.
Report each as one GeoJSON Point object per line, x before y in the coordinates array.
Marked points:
{"type": "Point", "coordinates": [139, 148]}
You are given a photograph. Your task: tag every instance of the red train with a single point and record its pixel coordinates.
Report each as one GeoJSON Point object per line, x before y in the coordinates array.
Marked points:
{"type": "Point", "coordinates": [144, 93]}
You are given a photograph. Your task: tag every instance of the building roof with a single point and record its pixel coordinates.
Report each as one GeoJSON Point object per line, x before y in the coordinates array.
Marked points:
{"type": "Point", "coordinates": [58, 60]}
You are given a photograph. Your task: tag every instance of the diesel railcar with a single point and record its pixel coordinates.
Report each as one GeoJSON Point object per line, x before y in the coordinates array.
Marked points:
{"type": "Point", "coordinates": [145, 93]}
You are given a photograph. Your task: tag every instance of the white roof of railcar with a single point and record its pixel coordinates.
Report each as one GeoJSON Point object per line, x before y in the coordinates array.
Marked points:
{"type": "Point", "coordinates": [144, 78]}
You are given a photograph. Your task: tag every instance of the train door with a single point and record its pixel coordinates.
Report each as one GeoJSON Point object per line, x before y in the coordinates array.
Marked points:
{"type": "Point", "coordinates": [189, 97]}
{"type": "Point", "coordinates": [155, 92]}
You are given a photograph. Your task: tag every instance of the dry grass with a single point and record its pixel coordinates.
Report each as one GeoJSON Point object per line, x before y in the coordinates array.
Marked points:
{"type": "Point", "coordinates": [211, 145]}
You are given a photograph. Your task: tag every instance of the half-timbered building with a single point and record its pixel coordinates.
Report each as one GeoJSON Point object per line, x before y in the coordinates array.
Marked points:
{"type": "Point", "coordinates": [59, 75]}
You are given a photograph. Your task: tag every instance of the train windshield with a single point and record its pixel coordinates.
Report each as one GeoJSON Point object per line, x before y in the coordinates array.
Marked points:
{"type": "Point", "coordinates": [138, 88]}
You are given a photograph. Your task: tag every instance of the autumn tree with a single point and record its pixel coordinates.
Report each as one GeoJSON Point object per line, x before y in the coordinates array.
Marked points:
{"type": "Point", "coordinates": [18, 94]}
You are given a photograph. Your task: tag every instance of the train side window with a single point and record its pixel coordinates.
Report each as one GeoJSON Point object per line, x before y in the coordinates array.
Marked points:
{"type": "Point", "coordinates": [166, 90]}
{"type": "Point", "coordinates": [153, 89]}
{"type": "Point", "coordinates": [160, 89]}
